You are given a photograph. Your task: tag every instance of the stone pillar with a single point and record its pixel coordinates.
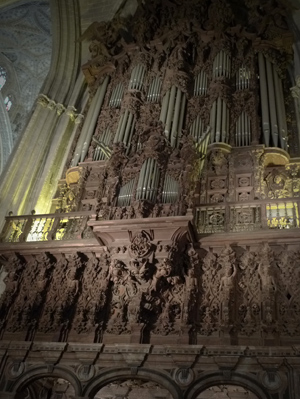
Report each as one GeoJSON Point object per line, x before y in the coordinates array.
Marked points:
{"type": "Point", "coordinates": [62, 140]}
{"type": "Point", "coordinates": [19, 178]}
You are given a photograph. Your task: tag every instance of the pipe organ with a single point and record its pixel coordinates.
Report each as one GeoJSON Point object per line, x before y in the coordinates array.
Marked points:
{"type": "Point", "coordinates": [178, 97]}
{"type": "Point", "coordinates": [222, 65]}
{"type": "Point", "coordinates": [243, 131]}
{"type": "Point", "coordinates": [116, 96]}
{"type": "Point", "coordinates": [172, 114]}
{"type": "Point", "coordinates": [272, 104]}
{"type": "Point", "coordinates": [137, 78]}
{"type": "Point", "coordinates": [148, 181]}
{"type": "Point", "coordinates": [100, 153]}
{"type": "Point", "coordinates": [219, 122]}
{"type": "Point", "coordinates": [170, 190]}
{"type": "Point", "coordinates": [89, 125]}
{"type": "Point", "coordinates": [153, 94]}
{"type": "Point", "coordinates": [197, 128]}
{"type": "Point", "coordinates": [126, 193]}
{"type": "Point", "coordinates": [174, 106]}
{"type": "Point", "coordinates": [200, 84]}
{"type": "Point", "coordinates": [125, 129]}
{"type": "Point", "coordinates": [242, 78]}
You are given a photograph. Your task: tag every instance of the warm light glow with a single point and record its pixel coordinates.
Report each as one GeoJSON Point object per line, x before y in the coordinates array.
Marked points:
{"type": "Point", "coordinates": [282, 215]}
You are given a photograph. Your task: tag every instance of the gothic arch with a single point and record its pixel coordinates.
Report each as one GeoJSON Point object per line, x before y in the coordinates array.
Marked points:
{"type": "Point", "coordinates": [112, 375]}
{"type": "Point", "coordinates": [37, 373]}
{"type": "Point", "coordinates": [210, 379]}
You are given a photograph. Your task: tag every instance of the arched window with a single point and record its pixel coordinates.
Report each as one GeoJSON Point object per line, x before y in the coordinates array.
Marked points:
{"type": "Point", "coordinates": [8, 103]}
{"type": "Point", "coordinates": [2, 77]}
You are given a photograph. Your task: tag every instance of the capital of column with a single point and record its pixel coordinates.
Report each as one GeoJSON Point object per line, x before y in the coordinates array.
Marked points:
{"type": "Point", "coordinates": [60, 108]}
{"type": "Point", "coordinates": [43, 100]}
{"type": "Point", "coordinates": [71, 112]}
{"type": "Point", "coordinates": [79, 119]}
{"type": "Point", "coordinates": [51, 104]}
{"type": "Point", "coordinates": [295, 90]}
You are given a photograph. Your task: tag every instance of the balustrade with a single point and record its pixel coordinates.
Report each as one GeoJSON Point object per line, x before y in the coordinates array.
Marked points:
{"type": "Point", "coordinates": [51, 227]}
{"type": "Point", "coordinates": [248, 216]}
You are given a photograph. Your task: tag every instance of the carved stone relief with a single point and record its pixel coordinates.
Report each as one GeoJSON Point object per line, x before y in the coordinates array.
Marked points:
{"type": "Point", "coordinates": [27, 307]}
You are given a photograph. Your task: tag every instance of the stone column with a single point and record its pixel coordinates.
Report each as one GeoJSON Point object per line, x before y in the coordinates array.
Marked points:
{"type": "Point", "coordinates": [62, 140]}
{"type": "Point", "coordinates": [20, 176]}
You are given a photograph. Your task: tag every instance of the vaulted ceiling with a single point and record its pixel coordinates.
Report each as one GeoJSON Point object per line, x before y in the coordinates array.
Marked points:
{"type": "Point", "coordinates": [25, 54]}
{"type": "Point", "coordinates": [26, 47]}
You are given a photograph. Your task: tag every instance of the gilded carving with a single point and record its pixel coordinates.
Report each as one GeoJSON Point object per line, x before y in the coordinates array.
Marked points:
{"type": "Point", "coordinates": [277, 185]}
{"type": "Point", "coordinates": [218, 162]}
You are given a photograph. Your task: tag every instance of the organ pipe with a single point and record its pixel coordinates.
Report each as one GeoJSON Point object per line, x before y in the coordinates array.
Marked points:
{"type": "Point", "coordinates": [197, 128]}
{"type": "Point", "coordinates": [154, 90]}
{"type": "Point", "coordinates": [201, 148]}
{"type": "Point", "coordinates": [242, 78]}
{"type": "Point", "coordinates": [225, 120]}
{"type": "Point", "coordinates": [264, 99]}
{"type": "Point", "coordinates": [170, 190]}
{"type": "Point", "coordinates": [213, 121]}
{"type": "Point", "coordinates": [148, 181]}
{"type": "Point", "coordinates": [243, 131]}
{"type": "Point", "coordinates": [222, 65]}
{"type": "Point", "coordinates": [200, 84]}
{"type": "Point", "coordinates": [125, 129]}
{"type": "Point", "coordinates": [137, 77]}
{"type": "Point", "coordinates": [280, 109]}
{"type": "Point", "coordinates": [272, 103]}
{"type": "Point", "coordinates": [100, 152]}
{"type": "Point", "coordinates": [176, 119]}
{"type": "Point", "coordinates": [116, 96]}
{"type": "Point", "coordinates": [89, 125]}
{"type": "Point", "coordinates": [126, 194]}
{"type": "Point", "coordinates": [172, 114]}
{"type": "Point", "coordinates": [219, 121]}
{"type": "Point", "coordinates": [164, 107]}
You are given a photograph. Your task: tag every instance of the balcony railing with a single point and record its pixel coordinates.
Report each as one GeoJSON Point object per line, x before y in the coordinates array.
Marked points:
{"type": "Point", "coordinates": [49, 227]}
{"type": "Point", "coordinates": [248, 216]}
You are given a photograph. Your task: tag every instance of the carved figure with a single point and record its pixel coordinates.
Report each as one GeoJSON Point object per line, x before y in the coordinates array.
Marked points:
{"type": "Point", "coordinates": [163, 271]}
{"type": "Point", "coordinates": [264, 269]}
{"type": "Point", "coordinates": [218, 162]}
{"type": "Point", "coordinates": [226, 289]}
{"type": "Point", "coordinates": [278, 185]}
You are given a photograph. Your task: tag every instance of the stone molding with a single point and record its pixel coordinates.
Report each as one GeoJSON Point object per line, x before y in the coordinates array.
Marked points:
{"type": "Point", "coordinates": [207, 364]}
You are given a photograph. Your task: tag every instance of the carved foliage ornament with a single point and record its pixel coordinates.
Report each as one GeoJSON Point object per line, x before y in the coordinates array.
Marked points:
{"type": "Point", "coordinates": [141, 245]}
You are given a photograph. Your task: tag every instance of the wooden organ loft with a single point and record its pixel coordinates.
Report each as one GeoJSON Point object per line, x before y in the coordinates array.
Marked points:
{"type": "Point", "coordinates": [171, 252]}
